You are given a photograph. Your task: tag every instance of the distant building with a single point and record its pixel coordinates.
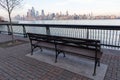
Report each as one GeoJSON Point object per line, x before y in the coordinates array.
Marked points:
{"type": "Point", "coordinates": [1, 19]}
{"type": "Point", "coordinates": [67, 14]}
{"type": "Point", "coordinates": [42, 13]}
{"type": "Point", "coordinates": [29, 13]}
{"type": "Point", "coordinates": [18, 17]}
{"type": "Point", "coordinates": [37, 14]}
{"type": "Point", "coordinates": [33, 12]}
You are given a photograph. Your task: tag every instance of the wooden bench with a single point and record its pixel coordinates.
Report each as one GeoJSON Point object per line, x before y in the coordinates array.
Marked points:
{"type": "Point", "coordinates": [87, 48]}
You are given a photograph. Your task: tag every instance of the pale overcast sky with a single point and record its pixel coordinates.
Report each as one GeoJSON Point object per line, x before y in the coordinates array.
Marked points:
{"type": "Point", "coordinates": [72, 6]}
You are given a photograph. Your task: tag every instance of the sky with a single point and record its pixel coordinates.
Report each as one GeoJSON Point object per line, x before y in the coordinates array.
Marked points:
{"type": "Point", "coordinates": [97, 7]}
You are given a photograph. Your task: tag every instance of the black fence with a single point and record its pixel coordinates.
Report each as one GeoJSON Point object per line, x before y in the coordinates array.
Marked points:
{"type": "Point", "coordinates": [108, 35]}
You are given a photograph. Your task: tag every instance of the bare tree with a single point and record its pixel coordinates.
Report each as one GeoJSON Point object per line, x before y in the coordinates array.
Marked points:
{"type": "Point", "coordinates": [9, 5]}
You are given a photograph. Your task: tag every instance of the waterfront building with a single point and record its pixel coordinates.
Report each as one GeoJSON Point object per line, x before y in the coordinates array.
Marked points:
{"type": "Point", "coordinates": [29, 13]}
{"type": "Point", "coordinates": [37, 14]}
{"type": "Point", "coordinates": [42, 13]}
{"type": "Point", "coordinates": [1, 18]}
{"type": "Point", "coordinates": [67, 14]}
{"type": "Point", "coordinates": [33, 12]}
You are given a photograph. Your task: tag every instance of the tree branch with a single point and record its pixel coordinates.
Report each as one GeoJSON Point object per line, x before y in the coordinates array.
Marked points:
{"type": "Point", "coordinates": [3, 4]}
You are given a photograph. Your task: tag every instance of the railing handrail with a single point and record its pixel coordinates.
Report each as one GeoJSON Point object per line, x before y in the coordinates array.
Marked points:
{"type": "Point", "coordinates": [87, 31]}
{"type": "Point", "coordinates": [103, 27]}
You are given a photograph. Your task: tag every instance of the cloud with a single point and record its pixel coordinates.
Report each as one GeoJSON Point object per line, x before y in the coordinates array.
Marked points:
{"type": "Point", "coordinates": [68, 2]}
{"type": "Point", "coordinates": [80, 1]}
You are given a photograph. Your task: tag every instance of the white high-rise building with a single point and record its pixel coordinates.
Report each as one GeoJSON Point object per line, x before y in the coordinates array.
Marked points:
{"type": "Point", "coordinates": [33, 12]}
{"type": "Point", "coordinates": [42, 13]}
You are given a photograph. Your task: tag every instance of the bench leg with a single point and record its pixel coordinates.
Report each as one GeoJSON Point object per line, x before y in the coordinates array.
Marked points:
{"type": "Point", "coordinates": [41, 49]}
{"type": "Point", "coordinates": [94, 73]}
{"type": "Point", "coordinates": [32, 52]}
{"type": "Point", "coordinates": [56, 57]}
{"type": "Point", "coordinates": [99, 62]}
{"type": "Point", "coordinates": [32, 48]}
{"type": "Point", "coordinates": [57, 53]}
{"type": "Point", "coordinates": [64, 54]}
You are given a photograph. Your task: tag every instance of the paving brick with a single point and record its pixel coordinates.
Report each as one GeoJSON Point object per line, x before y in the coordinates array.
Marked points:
{"type": "Point", "coordinates": [14, 65]}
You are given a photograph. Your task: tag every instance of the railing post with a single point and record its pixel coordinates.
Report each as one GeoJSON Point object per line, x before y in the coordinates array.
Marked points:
{"type": "Point", "coordinates": [119, 41]}
{"type": "Point", "coordinates": [47, 30]}
{"type": "Point", "coordinates": [24, 32]}
{"type": "Point", "coordinates": [87, 33]}
{"type": "Point", "coordinates": [9, 32]}
{"type": "Point", "coordinates": [0, 31]}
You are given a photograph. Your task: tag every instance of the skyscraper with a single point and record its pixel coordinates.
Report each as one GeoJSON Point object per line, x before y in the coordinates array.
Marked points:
{"type": "Point", "coordinates": [42, 13]}
{"type": "Point", "coordinates": [67, 13]}
{"type": "Point", "coordinates": [29, 13]}
{"type": "Point", "coordinates": [37, 14]}
{"type": "Point", "coordinates": [33, 12]}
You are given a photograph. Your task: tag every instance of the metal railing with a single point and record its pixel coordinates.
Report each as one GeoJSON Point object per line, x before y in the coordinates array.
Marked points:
{"type": "Point", "coordinates": [108, 35]}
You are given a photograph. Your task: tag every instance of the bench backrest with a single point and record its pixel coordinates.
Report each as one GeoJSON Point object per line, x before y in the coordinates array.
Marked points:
{"type": "Point", "coordinates": [78, 42]}
{"type": "Point", "coordinates": [40, 37]}
{"type": "Point", "coordinates": [68, 41]}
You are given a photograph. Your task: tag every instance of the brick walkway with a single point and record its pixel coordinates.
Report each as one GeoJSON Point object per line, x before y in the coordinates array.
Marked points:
{"type": "Point", "coordinates": [14, 65]}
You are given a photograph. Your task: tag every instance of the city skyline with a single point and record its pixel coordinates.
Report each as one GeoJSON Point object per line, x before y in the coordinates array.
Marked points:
{"type": "Point", "coordinates": [73, 6]}
{"type": "Point", "coordinates": [33, 14]}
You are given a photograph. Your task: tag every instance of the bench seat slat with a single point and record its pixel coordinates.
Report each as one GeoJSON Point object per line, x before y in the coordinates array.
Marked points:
{"type": "Point", "coordinates": [79, 51]}
{"type": "Point", "coordinates": [45, 44]}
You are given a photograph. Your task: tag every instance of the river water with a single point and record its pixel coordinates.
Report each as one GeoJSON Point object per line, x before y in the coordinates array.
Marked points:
{"type": "Point", "coordinates": [79, 22]}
